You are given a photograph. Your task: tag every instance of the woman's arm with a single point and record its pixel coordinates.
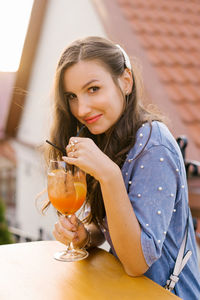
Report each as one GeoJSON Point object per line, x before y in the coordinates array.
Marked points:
{"type": "Point", "coordinates": [123, 225]}
{"type": "Point", "coordinates": [155, 188]}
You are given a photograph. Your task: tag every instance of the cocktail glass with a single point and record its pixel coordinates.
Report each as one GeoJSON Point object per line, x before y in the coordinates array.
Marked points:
{"type": "Point", "coordinates": [67, 192]}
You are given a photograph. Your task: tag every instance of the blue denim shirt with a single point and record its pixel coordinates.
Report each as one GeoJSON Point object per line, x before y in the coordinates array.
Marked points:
{"type": "Point", "coordinates": [157, 188]}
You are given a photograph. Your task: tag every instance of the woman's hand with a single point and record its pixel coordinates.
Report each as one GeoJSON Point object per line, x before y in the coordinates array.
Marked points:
{"type": "Point", "coordinates": [71, 229]}
{"type": "Point", "coordinates": [85, 154]}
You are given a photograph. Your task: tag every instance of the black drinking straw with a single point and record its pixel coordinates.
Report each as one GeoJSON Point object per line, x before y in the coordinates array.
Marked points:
{"type": "Point", "coordinates": [78, 133]}
{"type": "Point", "coordinates": [62, 149]}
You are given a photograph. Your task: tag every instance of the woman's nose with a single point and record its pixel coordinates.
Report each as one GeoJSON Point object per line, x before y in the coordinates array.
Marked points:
{"type": "Point", "coordinates": [83, 108]}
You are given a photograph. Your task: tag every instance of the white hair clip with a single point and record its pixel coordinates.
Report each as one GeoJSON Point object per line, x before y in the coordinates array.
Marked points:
{"type": "Point", "coordinates": [126, 58]}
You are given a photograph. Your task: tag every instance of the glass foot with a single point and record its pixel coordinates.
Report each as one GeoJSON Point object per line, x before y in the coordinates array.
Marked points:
{"type": "Point", "coordinates": [71, 255]}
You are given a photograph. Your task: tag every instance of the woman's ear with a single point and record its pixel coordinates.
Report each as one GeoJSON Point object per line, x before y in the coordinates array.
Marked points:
{"type": "Point", "coordinates": [126, 82]}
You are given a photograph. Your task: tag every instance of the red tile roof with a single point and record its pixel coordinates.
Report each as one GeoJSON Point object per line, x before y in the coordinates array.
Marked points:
{"type": "Point", "coordinates": [169, 33]}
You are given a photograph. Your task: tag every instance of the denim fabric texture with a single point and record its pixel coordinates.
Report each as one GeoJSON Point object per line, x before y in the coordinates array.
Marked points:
{"type": "Point", "coordinates": [157, 187]}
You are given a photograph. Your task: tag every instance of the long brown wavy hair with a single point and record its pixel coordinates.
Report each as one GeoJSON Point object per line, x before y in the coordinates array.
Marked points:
{"type": "Point", "coordinates": [121, 137]}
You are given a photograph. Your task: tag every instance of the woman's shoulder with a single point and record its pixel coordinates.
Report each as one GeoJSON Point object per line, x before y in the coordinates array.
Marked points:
{"type": "Point", "coordinates": [157, 133]}
{"type": "Point", "coordinates": [152, 135]}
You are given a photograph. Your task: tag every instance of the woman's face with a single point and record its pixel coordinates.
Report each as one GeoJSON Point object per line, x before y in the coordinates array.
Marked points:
{"type": "Point", "coordinates": [94, 99]}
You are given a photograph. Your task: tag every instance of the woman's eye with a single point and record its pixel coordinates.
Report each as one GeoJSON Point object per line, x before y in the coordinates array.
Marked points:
{"type": "Point", "coordinates": [93, 89]}
{"type": "Point", "coordinates": [70, 96]}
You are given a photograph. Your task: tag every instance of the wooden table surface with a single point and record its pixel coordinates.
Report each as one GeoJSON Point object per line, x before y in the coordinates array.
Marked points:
{"type": "Point", "coordinates": [28, 271]}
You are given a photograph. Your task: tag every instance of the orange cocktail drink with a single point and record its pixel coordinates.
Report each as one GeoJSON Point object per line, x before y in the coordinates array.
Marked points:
{"type": "Point", "coordinates": [66, 191]}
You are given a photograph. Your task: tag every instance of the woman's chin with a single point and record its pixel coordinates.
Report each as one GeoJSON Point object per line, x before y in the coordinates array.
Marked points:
{"type": "Point", "coordinates": [96, 131]}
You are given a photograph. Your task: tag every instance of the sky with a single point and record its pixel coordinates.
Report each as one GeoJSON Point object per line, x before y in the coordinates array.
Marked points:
{"type": "Point", "coordinates": [14, 20]}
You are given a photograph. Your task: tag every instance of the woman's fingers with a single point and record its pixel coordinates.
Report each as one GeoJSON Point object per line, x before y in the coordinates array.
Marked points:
{"type": "Point", "coordinates": [73, 154]}
{"type": "Point", "coordinates": [64, 232]}
{"type": "Point", "coordinates": [73, 146]}
{"type": "Point", "coordinates": [70, 160]}
{"type": "Point", "coordinates": [75, 221]}
{"type": "Point", "coordinates": [78, 151]}
{"type": "Point", "coordinates": [59, 237]}
{"type": "Point", "coordinates": [70, 229]}
{"type": "Point", "coordinates": [66, 223]}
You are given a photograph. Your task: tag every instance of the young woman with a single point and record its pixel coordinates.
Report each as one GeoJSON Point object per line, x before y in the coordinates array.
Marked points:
{"type": "Point", "coordinates": [137, 188]}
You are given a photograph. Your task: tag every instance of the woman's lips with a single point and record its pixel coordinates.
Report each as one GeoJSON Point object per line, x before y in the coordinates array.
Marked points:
{"type": "Point", "coordinates": [93, 119]}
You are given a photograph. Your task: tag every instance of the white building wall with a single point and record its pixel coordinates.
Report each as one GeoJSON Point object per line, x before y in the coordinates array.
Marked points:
{"type": "Point", "coordinates": [65, 20]}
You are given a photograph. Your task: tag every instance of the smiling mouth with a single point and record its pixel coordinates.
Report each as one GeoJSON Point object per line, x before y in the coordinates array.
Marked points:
{"type": "Point", "coordinates": [93, 119]}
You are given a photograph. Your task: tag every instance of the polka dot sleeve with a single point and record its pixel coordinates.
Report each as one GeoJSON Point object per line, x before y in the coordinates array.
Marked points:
{"type": "Point", "coordinates": [153, 188]}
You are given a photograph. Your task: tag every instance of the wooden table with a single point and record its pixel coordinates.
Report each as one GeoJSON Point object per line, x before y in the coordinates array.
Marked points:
{"type": "Point", "coordinates": [29, 272]}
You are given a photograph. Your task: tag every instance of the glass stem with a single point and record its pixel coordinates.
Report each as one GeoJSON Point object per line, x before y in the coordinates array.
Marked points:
{"type": "Point", "coordinates": [71, 246]}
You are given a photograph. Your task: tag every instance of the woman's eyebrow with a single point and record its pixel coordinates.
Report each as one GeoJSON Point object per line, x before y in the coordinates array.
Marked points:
{"type": "Point", "coordinates": [89, 82]}
{"type": "Point", "coordinates": [84, 86]}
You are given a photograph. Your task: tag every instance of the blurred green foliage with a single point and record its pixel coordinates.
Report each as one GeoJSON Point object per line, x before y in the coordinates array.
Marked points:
{"type": "Point", "coordinates": [5, 235]}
